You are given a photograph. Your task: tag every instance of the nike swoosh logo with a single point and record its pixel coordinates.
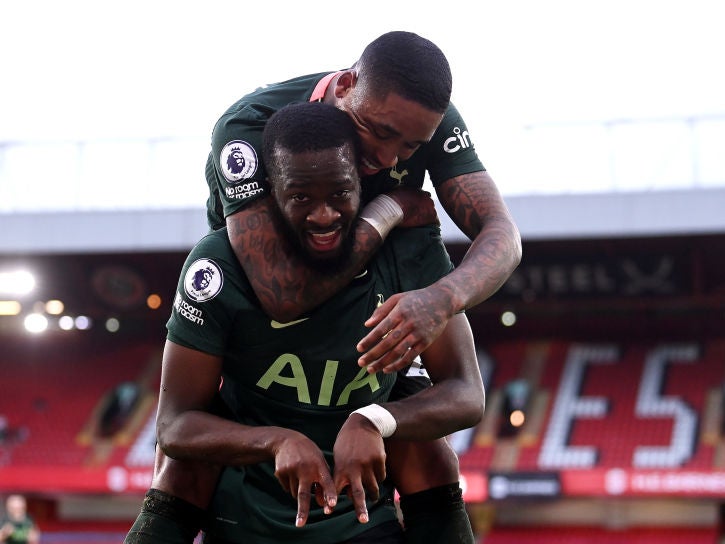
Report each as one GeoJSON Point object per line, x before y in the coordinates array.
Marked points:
{"type": "Point", "coordinates": [278, 325]}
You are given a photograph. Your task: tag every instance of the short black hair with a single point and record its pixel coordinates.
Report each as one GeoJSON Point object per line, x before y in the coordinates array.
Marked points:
{"type": "Point", "coordinates": [409, 65]}
{"type": "Point", "coordinates": [307, 126]}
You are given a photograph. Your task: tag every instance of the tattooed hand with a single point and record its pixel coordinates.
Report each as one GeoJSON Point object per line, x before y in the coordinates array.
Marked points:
{"type": "Point", "coordinates": [403, 327]}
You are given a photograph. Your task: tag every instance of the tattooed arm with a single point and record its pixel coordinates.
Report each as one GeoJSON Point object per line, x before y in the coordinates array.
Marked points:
{"type": "Point", "coordinates": [285, 286]}
{"type": "Point", "coordinates": [474, 203]}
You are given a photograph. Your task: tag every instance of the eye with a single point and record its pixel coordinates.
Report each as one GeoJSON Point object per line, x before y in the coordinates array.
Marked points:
{"type": "Point", "coordinates": [299, 197]}
{"type": "Point", "coordinates": [358, 122]}
{"type": "Point", "coordinates": [345, 193]}
{"type": "Point", "coordinates": [367, 128]}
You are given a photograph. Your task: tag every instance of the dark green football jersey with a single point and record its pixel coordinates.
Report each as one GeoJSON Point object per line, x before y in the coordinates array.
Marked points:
{"type": "Point", "coordinates": [236, 175]}
{"type": "Point", "coordinates": [21, 530]}
{"type": "Point", "coordinates": [301, 375]}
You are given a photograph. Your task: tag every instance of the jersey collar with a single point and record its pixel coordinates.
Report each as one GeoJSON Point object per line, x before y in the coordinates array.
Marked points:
{"type": "Point", "coordinates": [319, 93]}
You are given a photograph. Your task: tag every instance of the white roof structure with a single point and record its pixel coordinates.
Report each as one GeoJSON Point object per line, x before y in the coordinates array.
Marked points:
{"type": "Point", "coordinates": [542, 217]}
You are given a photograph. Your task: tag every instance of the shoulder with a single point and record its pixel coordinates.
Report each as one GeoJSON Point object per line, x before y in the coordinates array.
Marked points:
{"type": "Point", "coordinates": [418, 255]}
{"type": "Point", "coordinates": [261, 103]}
{"type": "Point", "coordinates": [213, 245]}
{"type": "Point", "coordinates": [452, 134]}
{"type": "Point", "coordinates": [237, 135]}
{"type": "Point", "coordinates": [212, 262]}
{"type": "Point", "coordinates": [211, 291]}
{"type": "Point", "coordinates": [451, 152]}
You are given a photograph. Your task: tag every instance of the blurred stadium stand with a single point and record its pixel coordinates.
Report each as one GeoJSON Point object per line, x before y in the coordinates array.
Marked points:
{"type": "Point", "coordinates": [614, 322]}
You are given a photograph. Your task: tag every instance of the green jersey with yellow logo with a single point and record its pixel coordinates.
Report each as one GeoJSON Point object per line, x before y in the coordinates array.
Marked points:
{"type": "Point", "coordinates": [301, 375]}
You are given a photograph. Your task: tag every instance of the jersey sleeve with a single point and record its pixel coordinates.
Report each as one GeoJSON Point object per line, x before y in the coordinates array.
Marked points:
{"type": "Point", "coordinates": [418, 255]}
{"type": "Point", "coordinates": [202, 312]}
{"type": "Point", "coordinates": [451, 150]}
{"type": "Point", "coordinates": [235, 171]}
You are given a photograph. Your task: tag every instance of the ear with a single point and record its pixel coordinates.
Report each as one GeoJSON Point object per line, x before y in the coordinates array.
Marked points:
{"type": "Point", "coordinates": [345, 83]}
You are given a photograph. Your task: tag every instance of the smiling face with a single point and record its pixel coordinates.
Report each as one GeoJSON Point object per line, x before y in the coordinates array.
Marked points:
{"type": "Point", "coordinates": [391, 128]}
{"type": "Point", "coordinates": [318, 198]}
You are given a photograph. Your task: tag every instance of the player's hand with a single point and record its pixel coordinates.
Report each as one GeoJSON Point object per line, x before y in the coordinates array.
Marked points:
{"type": "Point", "coordinates": [359, 462]}
{"type": "Point", "coordinates": [403, 327]}
{"type": "Point", "coordinates": [418, 206]}
{"type": "Point", "coordinates": [302, 470]}
{"type": "Point", "coordinates": [6, 530]}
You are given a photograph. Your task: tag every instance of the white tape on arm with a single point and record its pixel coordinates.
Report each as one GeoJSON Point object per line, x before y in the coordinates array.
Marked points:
{"type": "Point", "coordinates": [383, 213]}
{"type": "Point", "coordinates": [380, 417]}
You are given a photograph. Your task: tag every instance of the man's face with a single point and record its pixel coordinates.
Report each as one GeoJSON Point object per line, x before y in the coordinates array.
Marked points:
{"type": "Point", "coordinates": [391, 128]}
{"type": "Point", "coordinates": [16, 507]}
{"type": "Point", "coordinates": [318, 197]}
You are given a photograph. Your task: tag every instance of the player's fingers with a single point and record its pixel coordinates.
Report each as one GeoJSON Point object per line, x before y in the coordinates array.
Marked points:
{"type": "Point", "coordinates": [357, 495]}
{"type": "Point", "coordinates": [304, 496]}
{"type": "Point", "coordinates": [387, 341]}
{"type": "Point", "coordinates": [402, 356]}
{"type": "Point", "coordinates": [382, 312]}
{"type": "Point", "coordinates": [318, 494]}
{"type": "Point", "coordinates": [326, 493]}
{"type": "Point", "coordinates": [393, 354]}
{"type": "Point", "coordinates": [377, 335]}
{"type": "Point", "coordinates": [372, 490]}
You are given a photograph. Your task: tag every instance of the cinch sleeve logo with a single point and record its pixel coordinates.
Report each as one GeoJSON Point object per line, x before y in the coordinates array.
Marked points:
{"type": "Point", "coordinates": [459, 140]}
{"type": "Point", "coordinates": [238, 160]}
{"type": "Point", "coordinates": [203, 280]}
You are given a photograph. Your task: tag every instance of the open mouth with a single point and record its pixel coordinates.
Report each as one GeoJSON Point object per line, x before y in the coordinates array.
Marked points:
{"type": "Point", "coordinates": [368, 168]}
{"type": "Point", "coordinates": [324, 241]}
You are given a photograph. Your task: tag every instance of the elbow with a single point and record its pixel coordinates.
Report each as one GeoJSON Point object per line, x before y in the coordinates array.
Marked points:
{"type": "Point", "coordinates": [166, 445]}
{"type": "Point", "coordinates": [168, 441]}
{"type": "Point", "coordinates": [474, 406]}
{"type": "Point", "coordinates": [477, 411]}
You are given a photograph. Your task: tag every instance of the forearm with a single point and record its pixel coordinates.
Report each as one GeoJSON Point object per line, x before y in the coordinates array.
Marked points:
{"type": "Point", "coordinates": [438, 411]}
{"type": "Point", "coordinates": [199, 436]}
{"type": "Point", "coordinates": [285, 286]}
{"type": "Point", "coordinates": [474, 203]}
{"type": "Point", "coordinates": [494, 254]}
{"type": "Point", "coordinates": [456, 400]}
{"type": "Point", "coordinates": [428, 415]}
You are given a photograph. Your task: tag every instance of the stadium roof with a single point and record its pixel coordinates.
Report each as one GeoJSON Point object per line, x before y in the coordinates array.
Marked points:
{"type": "Point", "coordinates": [622, 214]}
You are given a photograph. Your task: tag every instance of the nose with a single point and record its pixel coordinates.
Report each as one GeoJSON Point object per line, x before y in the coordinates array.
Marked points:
{"type": "Point", "coordinates": [386, 157]}
{"type": "Point", "coordinates": [323, 215]}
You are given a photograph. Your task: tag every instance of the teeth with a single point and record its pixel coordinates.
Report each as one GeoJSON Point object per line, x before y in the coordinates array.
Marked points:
{"type": "Point", "coordinates": [324, 237]}
{"type": "Point", "coordinates": [368, 164]}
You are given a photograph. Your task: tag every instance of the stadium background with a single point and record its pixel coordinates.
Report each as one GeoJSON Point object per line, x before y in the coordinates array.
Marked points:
{"type": "Point", "coordinates": [608, 337]}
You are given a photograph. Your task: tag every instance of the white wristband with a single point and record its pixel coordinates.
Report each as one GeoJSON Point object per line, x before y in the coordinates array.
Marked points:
{"type": "Point", "coordinates": [380, 417]}
{"type": "Point", "coordinates": [383, 213]}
